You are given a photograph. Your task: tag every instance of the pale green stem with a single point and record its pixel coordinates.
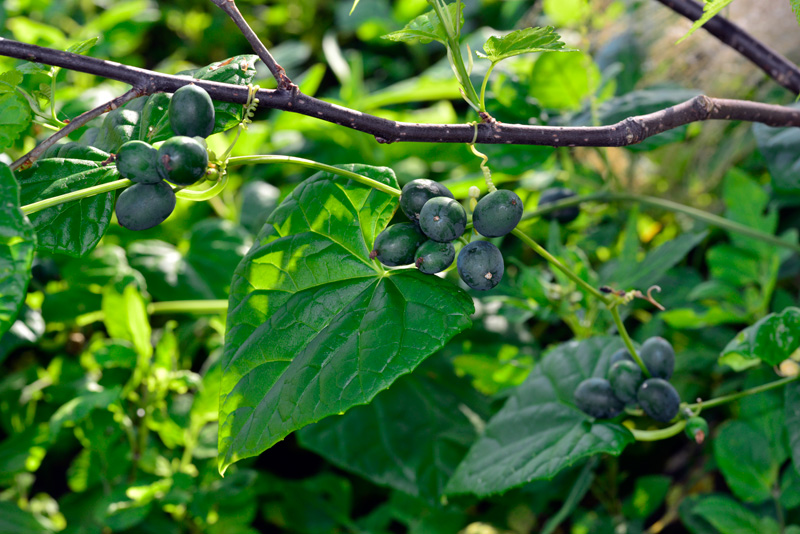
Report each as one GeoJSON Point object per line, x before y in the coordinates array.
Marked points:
{"type": "Point", "coordinates": [197, 307]}
{"type": "Point", "coordinates": [483, 85]}
{"type": "Point", "coordinates": [661, 433]}
{"type": "Point", "coordinates": [201, 307]}
{"type": "Point", "coordinates": [455, 50]}
{"type": "Point", "coordinates": [746, 393]}
{"type": "Point", "coordinates": [560, 266]}
{"type": "Point", "coordinates": [74, 195]}
{"type": "Point", "coordinates": [623, 332]}
{"type": "Point", "coordinates": [206, 194]}
{"type": "Point", "coordinates": [700, 215]}
{"type": "Point", "coordinates": [243, 160]}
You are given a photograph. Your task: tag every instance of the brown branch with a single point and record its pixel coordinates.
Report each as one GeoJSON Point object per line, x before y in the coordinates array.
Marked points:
{"type": "Point", "coordinates": [771, 62]}
{"type": "Point", "coordinates": [229, 7]}
{"type": "Point", "coordinates": [27, 160]}
{"type": "Point", "coordinates": [627, 132]}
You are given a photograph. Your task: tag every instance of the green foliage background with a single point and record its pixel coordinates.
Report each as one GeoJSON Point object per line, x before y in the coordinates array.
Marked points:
{"type": "Point", "coordinates": [109, 403]}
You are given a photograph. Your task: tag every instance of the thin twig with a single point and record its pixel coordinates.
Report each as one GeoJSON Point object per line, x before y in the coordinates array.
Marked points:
{"type": "Point", "coordinates": [229, 7]}
{"type": "Point", "coordinates": [771, 62]}
{"type": "Point", "coordinates": [27, 160]}
{"type": "Point", "coordinates": [626, 132]}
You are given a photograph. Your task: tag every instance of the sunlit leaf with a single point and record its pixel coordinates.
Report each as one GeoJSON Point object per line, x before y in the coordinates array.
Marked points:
{"type": "Point", "coordinates": [524, 41]}
{"type": "Point", "coordinates": [314, 326]}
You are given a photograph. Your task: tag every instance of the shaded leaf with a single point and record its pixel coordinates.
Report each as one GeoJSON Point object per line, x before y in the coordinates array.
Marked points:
{"type": "Point", "coordinates": [78, 408]}
{"type": "Point", "coordinates": [730, 517]}
{"type": "Point", "coordinates": [203, 272]}
{"type": "Point", "coordinates": [316, 327]}
{"type": "Point", "coordinates": [779, 148]}
{"type": "Point", "coordinates": [17, 243]}
{"type": "Point", "coordinates": [743, 456]}
{"type": "Point", "coordinates": [410, 437]}
{"type": "Point", "coordinates": [72, 228]}
{"type": "Point", "coordinates": [540, 431]}
{"type": "Point", "coordinates": [523, 41]}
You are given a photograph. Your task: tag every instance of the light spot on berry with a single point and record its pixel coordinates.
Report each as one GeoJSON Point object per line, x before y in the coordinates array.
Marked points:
{"type": "Point", "coordinates": [488, 276]}
{"type": "Point", "coordinates": [435, 217]}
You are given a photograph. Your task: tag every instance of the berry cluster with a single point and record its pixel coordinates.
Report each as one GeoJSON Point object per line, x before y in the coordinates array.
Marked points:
{"type": "Point", "coordinates": [626, 384]}
{"type": "Point", "coordinates": [437, 220]}
{"type": "Point", "coordinates": [182, 160]}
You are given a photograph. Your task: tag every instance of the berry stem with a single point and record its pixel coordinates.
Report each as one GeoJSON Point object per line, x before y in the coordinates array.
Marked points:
{"type": "Point", "coordinates": [746, 393]}
{"type": "Point", "coordinates": [626, 338]}
{"type": "Point", "coordinates": [661, 433]}
{"type": "Point", "coordinates": [243, 160]}
{"type": "Point", "coordinates": [483, 85]}
{"type": "Point", "coordinates": [560, 266]}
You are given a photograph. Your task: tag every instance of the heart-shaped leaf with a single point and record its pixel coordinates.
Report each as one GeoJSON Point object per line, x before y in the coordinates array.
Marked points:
{"type": "Point", "coordinates": [540, 431]}
{"type": "Point", "coordinates": [17, 243]}
{"type": "Point", "coordinates": [72, 228]}
{"type": "Point", "coordinates": [314, 326]}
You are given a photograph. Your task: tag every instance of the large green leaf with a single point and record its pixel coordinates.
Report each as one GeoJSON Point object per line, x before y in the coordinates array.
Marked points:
{"type": "Point", "coordinates": [204, 271]}
{"type": "Point", "coordinates": [772, 339]}
{"type": "Point", "coordinates": [540, 431]}
{"type": "Point", "coordinates": [72, 228]}
{"type": "Point", "coordinates": [523, 41]}
{"type": "Point", "coordinates": [743, 455]}
{"type": "Point", "coordinates": [316, 327]}
{"type": "Point", "coordinates": [17, 243]}
{"type": "Point", "coordinates": [411, 437]}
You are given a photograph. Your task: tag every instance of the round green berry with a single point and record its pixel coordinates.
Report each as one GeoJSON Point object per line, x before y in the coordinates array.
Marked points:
{"type": "Point", "coordinates": [480, 265]}
{"type": "Point", "coordinates": [417, 192]}
{"type": "Point", "coordinates": [443, 219]}
{"type": "Point", "coordinates": [595, 397]}
{"type": "Point", "coordinates": [397, 245]}
{"type": "Point", "coordinates": [659, 399]}
{"type": "Point", "coordinates": [433, 257]}
{"type": "Point", "coordinates": [138, 161]}
{"type": "Point", "coordinates": [182, 160]}
{"type": "Point", "coordinates": [497, 213]}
